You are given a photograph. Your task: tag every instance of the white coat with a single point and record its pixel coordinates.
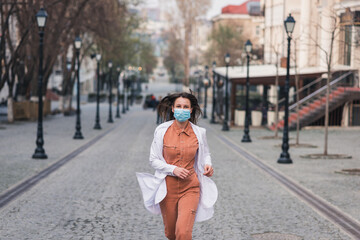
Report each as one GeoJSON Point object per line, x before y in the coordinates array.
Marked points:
{"type": "Point", "coordinates": [153, 187]}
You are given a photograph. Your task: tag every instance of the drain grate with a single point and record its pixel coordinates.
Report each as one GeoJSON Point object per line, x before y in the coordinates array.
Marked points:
{"type": "Point", "coordinates": [275, 236]}
{"type": "Point", "coordinates": [354, 171]}
{"type": "Point", "coordinates": [328, 156]}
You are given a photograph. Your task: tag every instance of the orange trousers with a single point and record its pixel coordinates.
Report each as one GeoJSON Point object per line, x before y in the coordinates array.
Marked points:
{"type": "Point", "coordinates": [179, 207]}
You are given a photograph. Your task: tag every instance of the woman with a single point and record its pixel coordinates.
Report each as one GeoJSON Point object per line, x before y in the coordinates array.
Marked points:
{"type": "Point", "coordinates": [181, 189]}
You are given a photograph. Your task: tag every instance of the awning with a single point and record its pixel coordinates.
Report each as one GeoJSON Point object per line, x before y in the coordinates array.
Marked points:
{"type": "Point", "coordinates": [265, 74]}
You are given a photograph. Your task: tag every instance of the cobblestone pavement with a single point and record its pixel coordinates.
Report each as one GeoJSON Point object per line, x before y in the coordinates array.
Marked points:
{"type": "Point", "coordinates": [318, 175]}
{"type": "Point", "coordinates": [96, 195]}
{"type": "Point", "coordinates": [18, 142]}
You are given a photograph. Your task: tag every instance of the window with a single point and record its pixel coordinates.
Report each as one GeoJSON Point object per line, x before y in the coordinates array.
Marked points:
{"type": "Point", "coordinates": [347, 45]}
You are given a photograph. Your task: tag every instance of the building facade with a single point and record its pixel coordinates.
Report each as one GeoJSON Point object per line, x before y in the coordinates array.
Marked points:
{"type": "Point", "coordinates": [247, 20]}
{"type": "Point", "coordinates": [326, 36]}
{"type": "Point", "coordinates": [322, 27]}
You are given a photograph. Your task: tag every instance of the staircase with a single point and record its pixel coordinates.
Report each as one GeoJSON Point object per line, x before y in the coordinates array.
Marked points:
{"type": "Point", "coordinates": [312, 107]}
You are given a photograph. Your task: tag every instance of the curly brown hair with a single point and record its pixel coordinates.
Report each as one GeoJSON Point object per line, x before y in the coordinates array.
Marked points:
{"type": "Point", "coordinates": [165, 107]}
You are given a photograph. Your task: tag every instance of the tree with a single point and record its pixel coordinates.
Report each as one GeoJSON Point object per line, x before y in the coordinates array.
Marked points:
{"type": "Point", "coordinates": [330, 26]}
{"type": "Point", "coordinates": [147, 58]}
{"type": "Point", "coordinates": [7, 66]}
{"type": "Point", "coordinates": [189, 11]}
{"type": "Point", "coordinates": [224, 39]}
{"type": "Point", "coordinates": [174, 56]}
{"type": "Point", "coordinates": [276, 49]}
{"type": "Point", "coordinates": [103, 25]}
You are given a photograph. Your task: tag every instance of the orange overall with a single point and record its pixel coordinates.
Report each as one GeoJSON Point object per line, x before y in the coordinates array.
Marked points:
{"type": "Point", "coordinates": [180, 204]}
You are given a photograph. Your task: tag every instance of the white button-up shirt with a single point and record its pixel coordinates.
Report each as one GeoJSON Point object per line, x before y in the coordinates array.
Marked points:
{"type": "Point", "coordinates": [153, 187]}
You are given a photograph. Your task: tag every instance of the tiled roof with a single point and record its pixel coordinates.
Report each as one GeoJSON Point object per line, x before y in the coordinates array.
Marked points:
{"type": "Point", "coordinates": [238, 9]}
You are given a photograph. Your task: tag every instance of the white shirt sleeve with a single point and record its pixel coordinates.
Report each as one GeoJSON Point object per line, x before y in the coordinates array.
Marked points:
{"type": "Point", "coordinates": [207, 157]}
{"type": "Point", "coordinates": [156, 160]}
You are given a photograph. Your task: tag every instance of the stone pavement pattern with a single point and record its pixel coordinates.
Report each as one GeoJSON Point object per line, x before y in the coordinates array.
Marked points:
{"type": "Point", "coordinates": [96, 196]}
{"type": "Point", "coordinates": [18, 142]}
{"type": "Point", "coordinates": [317, 175]}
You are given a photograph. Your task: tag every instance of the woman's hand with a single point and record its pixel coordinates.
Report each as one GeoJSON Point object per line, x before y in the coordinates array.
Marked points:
{"type": "Point", "coordinates": [181, 172]}
{"type": "Point", "coordinates": [208, 170]}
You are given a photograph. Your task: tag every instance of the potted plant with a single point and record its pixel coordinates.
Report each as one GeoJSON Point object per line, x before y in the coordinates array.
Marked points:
{"type": "Point", "coordinates": [256, 117]}
{"type": "Point", "coordinates": [239, 117]}
{"type": "Point", "coordinates": [92, 97]}
{"type": "Point", "coordinates": [103, 97]}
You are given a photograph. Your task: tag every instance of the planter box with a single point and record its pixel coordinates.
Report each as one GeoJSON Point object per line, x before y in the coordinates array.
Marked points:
{"type": "Point", "coordinates": [21, 110]}
{"type": "Point", "coordinates": [239, 118]}
{"type": "Point", "coordinates": [271, 117]}
{"type": "Point", "coordinates": [256, 117]}
{"type": "Point", "coordinates": [29, 110]}
{"type": "Point", "coordinates": [47, 107]}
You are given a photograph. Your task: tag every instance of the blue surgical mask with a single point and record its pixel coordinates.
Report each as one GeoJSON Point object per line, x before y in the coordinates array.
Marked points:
{"type": "Point", "coordinates": [181, 114]}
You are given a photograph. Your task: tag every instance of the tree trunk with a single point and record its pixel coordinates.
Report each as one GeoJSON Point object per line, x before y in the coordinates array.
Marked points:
{"type": "Point", "coordinates": [297, 110]}
{"type": "Point", "coordinates": [186, 56]}
{"type": "Point", "coordinates": [69, 102]}
{"type": "Point", "coordinates": [277, 101]}
{"type": "Point", "coordinates": [327, 113]}
{"type": "Point", "coordinates": [61, 103]}
{"type": "Point", "coordinates": [10, 109]}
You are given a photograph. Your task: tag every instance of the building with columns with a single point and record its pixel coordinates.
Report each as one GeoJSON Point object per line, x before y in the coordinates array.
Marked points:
{"type": "Point", "coordinates": [326, 34]}
{"type": "Point", "coordinates": [316, 20]}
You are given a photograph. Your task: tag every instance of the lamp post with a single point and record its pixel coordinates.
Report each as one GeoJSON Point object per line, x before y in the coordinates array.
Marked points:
{"type": "Point", "coordinates": [285, 156]}
{"type": "Point", "coordinates": [127, 94]}
{"type": "Point", "coordinates": [40, 151]}
{"type": "Point", "coordinates": [198, 88]}
{"type": "Point", "coordinates": [132, 87]}
{"type": "Point", "coordinates": [206, 83]}
{"type": "Point", "coordinates": [110, 119]}
{"type": "Point", "coordinates": [246, 137]}
{"type": "Point", "coordinates": [213, 97]}
{"type": "Point", "coordinates": [220, 94]}
{"type": "Point", "coordinates": [123, 103]}
{"type": "Point", "coordinates": [225, 123]}
{"type": "Point", "coordinates": [0, 48]}
{"type": "Point", "coordinates": [78, 134]}
{"type": "Point", "coordinates": [118, 92]}
{"type": "Point", "coordinates": [97, 118]}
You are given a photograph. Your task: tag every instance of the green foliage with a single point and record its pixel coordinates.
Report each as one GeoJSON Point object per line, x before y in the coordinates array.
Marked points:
{"type": "Point", "coordinates": [148, 61]}
{"type": "Point", "coordinates": [125, 46]}
{"type": "Point", "coordinates": [224, 39]}
{"type": "Point", "coordinates": [173, 60]}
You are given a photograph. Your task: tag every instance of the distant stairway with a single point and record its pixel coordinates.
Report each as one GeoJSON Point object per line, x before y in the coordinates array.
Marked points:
{"type": "Point", "coordinates": [312, 107]}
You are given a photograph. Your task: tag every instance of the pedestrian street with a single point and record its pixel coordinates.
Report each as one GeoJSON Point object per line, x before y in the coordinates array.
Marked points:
{"type": "Point", "coordinates": [96, 195]}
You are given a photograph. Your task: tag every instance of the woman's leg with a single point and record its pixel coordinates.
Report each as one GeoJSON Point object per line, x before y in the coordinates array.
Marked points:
{"type": "Point", "coordinates": [169, 210]}
{"type": "Point", "coordinates": [187, 207]}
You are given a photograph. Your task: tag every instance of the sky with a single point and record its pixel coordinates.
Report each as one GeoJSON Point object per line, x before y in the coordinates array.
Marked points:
{"type": "Point", "coordinates": [214, 10]}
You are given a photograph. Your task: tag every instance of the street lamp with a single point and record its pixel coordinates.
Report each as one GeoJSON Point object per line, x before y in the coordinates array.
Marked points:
{"type": "Point", "coordinates": [78, 134]}
{"type": "Point", "coordinates": [41, 17]}
{"type": "Point", "coordinates": [225, 123]}
{"type": "Point", "coordinates": [123, 88]}
{"type": "Point", "coordinates": [214, 99]}
{"type": "Point", "coordinates": [246, 137]}
{"type": "Point", "coordinates": [118, 92]}
{"type": "Point", "coordinates": [198, 88]}
{"type": "Point", "coordinates": [128, 83]}
{"type": "Point", "coordinates": [110, 65]}
{"type": "Point", "coordinates": [206, 83]}
{"type": "Point", "coordinates": [285, 156]}
{"type": "Point", "coordinates": [97, 118]}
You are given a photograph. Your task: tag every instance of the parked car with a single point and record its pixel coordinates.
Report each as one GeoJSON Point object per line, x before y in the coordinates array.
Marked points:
{"type": "Point", "coordinates": [150, 102]}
